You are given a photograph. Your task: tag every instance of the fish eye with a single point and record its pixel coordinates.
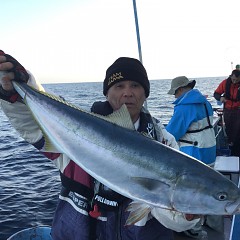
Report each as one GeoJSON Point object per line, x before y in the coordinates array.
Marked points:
{"type": "Point", "coordinates": [222, 196]}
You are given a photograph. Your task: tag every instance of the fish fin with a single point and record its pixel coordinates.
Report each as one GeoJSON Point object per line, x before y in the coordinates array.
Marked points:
{"type": "Point", "coordinates": [149, 183]}
{"type": "Point", "coordinates": [138, 211]}
{"type": "Point", "coordinates": [49, 146]}
{"type": "Point", "coordinates": [121, 117]}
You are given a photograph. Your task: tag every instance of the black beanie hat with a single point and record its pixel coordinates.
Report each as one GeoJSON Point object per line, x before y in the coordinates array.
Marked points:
{"type": "Point", "coordinates": [126, 69]}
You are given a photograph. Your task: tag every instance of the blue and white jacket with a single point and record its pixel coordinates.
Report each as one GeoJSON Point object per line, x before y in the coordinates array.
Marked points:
{"type": "Point", "coordinates": [191, 125]}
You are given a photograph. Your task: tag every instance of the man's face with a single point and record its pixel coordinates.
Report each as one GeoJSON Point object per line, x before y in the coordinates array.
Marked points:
{"type": "Point", "coordinates": [127, 92]}
{"type": "Point", "coordinates": [235, 79]}
{"type": "Point", "coordinates": [178, 92]}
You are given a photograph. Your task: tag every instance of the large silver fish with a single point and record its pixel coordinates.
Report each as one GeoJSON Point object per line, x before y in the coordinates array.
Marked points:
{"type": "Point", "coordinates": [110, 150]}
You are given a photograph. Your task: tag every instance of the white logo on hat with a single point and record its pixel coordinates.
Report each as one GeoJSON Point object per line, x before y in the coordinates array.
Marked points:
{"type": "Point", "coordinates": [114, 77]}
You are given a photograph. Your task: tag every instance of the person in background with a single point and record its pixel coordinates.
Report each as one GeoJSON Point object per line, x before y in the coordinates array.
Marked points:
{"type": "Point", "coordinates": [192, 121]}
{"type": "Point", "coordinates": [228, 92]}
{"type": "Point", "coordinates": [79, 216]}
{"type": "Point", "coordinates": [192, 126]}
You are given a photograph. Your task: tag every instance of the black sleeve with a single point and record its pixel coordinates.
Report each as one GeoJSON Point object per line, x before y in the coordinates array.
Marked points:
{"type": "Point", "coordinates": [10, 96]}
{"type": "Point", "coordinates": [217, 96]}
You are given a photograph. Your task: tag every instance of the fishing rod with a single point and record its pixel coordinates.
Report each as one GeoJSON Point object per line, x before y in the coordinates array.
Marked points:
{"type": "Point", "coordinates": [137, 31]}
{"type": "Point", "coordinates": [138, 39]}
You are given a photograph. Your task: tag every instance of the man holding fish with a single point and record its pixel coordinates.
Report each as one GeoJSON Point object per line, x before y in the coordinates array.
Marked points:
{"type": "Point", "coordinates": [99, 209]}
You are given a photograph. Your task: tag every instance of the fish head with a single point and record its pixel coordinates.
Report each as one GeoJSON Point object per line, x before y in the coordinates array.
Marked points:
{"type": "Point", "coordinates": [209, 193]}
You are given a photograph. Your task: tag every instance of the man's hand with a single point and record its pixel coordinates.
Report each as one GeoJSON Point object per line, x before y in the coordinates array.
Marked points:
{"type": "Point", "coordinates": [191, 217]}
{"type": "Point", "coordinates": [5, 76]}
{"type": "Point", "coordinates": [10, 69]}
{"type": "Point", "coordinates": [223, 99]}
{"type": "Point", "coordinates": [10, 64]}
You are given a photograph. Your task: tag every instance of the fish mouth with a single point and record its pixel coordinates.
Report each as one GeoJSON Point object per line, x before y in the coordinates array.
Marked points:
{"type": "Point", "coordinates": [233, 207]}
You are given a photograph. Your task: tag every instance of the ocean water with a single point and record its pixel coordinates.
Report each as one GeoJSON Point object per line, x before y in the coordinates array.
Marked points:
{"type": "Point", "coordinates": [29, 183]}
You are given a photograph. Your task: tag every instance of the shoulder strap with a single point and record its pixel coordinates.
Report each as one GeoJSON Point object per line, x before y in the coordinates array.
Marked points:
{"type": "Point", "coordinates": [227, 88]}
{"type": "Point", "coordinates": [209, 123]}
{"type": "Point", "coordinates": [147, 126]}
{"type": "Point", "coordinates": [228, 93]}
{"type": "Point", "coordinates": [195, 143]}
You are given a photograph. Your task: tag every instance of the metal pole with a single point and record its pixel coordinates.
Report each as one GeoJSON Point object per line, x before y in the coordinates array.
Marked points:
{"type": "Point", "coordinates": [137, 31]}
{"type": "Point", "coordinates": [138, 40]}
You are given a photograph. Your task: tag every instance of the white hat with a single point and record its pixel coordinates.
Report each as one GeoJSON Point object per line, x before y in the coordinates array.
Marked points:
{"type": "Point", "coordinates": [181, 81]}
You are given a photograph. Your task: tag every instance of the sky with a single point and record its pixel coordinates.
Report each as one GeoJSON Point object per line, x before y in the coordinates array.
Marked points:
{"type": "Point", "coordinates": [77, 40]}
